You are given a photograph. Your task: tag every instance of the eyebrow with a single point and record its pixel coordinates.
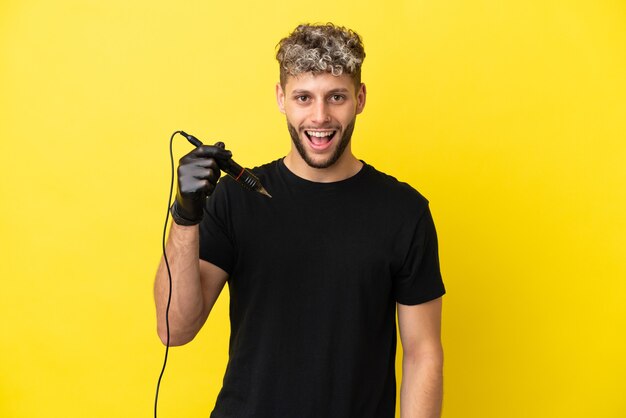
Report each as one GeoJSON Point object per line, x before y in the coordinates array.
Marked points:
{"type": "Point", "coordinates": [333, 91]}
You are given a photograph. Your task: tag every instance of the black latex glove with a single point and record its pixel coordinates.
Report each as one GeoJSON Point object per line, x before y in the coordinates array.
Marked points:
{"type": "Point", "coordinates": [198, 173]}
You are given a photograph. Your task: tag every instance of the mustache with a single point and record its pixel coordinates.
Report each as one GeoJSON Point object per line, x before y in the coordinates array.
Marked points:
{"type": "Point", "coordinates": [329, 127]}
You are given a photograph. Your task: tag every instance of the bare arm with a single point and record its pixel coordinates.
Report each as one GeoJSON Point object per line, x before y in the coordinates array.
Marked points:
{"type": "Point", "coordinates": [196, 285]}
{"type": "Point", "coordinates": [421, 392]}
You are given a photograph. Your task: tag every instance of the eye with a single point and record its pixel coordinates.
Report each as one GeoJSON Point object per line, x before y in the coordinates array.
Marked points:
{"type": "Point", "coordinates": [337, 98]}
{"type": "Point", "coordinates": [302, 98]}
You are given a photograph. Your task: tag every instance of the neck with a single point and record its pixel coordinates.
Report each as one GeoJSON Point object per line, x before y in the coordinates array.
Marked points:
{"type": "Point", "coordinates": [347, 166]}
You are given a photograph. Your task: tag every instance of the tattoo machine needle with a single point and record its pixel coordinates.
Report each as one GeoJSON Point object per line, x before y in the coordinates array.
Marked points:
{"type": "Point", "coordinates": [241, 175]}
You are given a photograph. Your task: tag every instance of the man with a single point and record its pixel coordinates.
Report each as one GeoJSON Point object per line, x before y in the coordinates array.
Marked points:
{"type": "Point", "coordinates": [316, 272]}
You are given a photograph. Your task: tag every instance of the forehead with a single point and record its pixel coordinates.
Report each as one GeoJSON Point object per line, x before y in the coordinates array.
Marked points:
{"type": "Point", "coordinates": [319, 83]}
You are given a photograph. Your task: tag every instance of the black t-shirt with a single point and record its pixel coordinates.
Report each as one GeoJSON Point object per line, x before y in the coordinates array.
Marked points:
{"type": "Point", "coordinates": [314, 274]}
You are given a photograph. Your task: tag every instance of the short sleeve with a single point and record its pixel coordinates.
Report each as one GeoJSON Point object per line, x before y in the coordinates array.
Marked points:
{"type": "Point", "coordinates": [216, 243]}
{"type": "Point", "coordinates": [419, 278]}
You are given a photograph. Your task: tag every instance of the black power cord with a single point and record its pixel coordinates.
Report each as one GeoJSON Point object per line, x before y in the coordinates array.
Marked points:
{"type": "Point", "coordinates": [169, 275]}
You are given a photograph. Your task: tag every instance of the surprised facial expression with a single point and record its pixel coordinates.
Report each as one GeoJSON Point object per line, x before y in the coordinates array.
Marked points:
{"type": "Point", "coordinates": [321, 111]}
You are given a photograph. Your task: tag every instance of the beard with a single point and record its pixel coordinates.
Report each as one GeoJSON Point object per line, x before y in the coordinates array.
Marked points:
{"type": "Point", "coordinates": [342, 144]}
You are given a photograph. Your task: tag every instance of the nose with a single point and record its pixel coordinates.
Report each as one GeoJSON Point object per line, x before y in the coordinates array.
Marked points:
{"type": "Point", "coordinates": [320, 113]}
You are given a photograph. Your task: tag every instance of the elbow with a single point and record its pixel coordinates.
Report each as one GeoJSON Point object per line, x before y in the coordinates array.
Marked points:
{"type": "Point", "coordinates": [181, 332]}
{"type": "Point", "coordinates": [175, 338]}
{"type": "Point", "coordinates": [431, 357]}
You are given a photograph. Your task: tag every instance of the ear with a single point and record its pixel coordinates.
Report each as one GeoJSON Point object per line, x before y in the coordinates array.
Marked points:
{"type": "Point", "coordinates": [280, 98]}
{"type": "Point", "coordinates": [360, 98]}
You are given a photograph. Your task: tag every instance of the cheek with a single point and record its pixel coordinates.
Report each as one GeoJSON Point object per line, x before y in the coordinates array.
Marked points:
{"type": "Point", "coordinates": [295, 117]}
{"type": "Point", "coordinates": [345, 116]}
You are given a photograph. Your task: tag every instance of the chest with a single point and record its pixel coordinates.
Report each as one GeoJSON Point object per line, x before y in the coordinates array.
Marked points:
{"type": "Point", "coordinates": [315, 245]}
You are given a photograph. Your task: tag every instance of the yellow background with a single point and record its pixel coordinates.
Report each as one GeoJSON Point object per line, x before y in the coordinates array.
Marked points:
{"type": "Point", "coordinates": [510, 116]}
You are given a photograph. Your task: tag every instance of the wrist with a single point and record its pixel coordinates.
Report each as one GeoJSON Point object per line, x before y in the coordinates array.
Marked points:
{"type": "Point", "coordinates": [180, 219]}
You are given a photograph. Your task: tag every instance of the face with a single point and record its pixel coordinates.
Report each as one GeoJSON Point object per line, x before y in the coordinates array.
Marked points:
{"type": "Point", "coordinates": [321, 111]}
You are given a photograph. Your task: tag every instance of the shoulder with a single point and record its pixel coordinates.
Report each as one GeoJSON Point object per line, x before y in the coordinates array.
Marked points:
{"type": "Point", "coordinates": [400, 194]}
{"type": "Point", "coordinates": [267, 169]}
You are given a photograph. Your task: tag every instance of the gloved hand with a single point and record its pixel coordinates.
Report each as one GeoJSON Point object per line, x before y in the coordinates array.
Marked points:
{"type": "Point", "coordinates": [198, 173]}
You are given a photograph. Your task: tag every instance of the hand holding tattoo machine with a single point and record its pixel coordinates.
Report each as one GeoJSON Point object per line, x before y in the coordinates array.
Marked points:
{"type": "Point", "coordinates": [230, 167]}
{"type": "Point", "coordinates": [198, 173]}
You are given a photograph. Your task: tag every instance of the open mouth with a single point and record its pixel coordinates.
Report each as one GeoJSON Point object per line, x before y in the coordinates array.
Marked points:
{"type": "Point", "coordinates": [320, 139]}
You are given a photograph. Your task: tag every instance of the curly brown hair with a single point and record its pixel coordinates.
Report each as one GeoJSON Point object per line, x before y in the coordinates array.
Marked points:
{"type": "Point", "coordinates": [321, 48]}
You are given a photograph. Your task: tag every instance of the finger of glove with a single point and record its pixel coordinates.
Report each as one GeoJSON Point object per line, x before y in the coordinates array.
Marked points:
{"type": "Point", "coordinates": [191, 166]}
{"type": "Point", "coordinates": [198, 168]}
{"type": "Point", "coordinates": [211, 163]}
{"type": "Point", "coordinates": [197, 188]}
{"type": "Point", "coordinates": [188, 177]}
{"type": "Point", "coordinates": [207, 151]}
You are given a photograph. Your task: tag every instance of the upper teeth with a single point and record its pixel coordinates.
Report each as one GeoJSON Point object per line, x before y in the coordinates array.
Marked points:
{"type": "Point", "coordinates": [319, 134]}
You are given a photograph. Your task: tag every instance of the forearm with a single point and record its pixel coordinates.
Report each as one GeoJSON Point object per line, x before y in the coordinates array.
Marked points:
{"type": "Point", "coordinates": [186, 314]}
{"type": "Point", "coordinates": [421, 392]}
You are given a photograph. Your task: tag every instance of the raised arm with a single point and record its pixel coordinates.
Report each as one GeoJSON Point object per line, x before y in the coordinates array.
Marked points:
{"type": "Point", "coordinates": [196, 284]}
{"type": "Point", "coordinates": [421, 392]}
